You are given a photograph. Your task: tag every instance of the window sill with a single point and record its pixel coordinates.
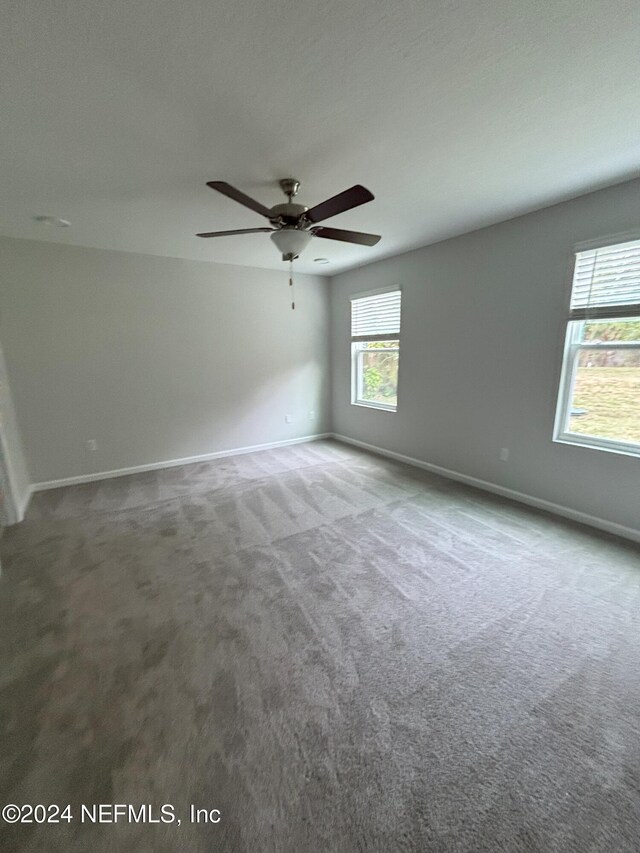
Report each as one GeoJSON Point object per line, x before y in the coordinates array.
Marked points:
{"type": "Point", "coordinates": [377, 406]}
{"type": "Point", "coordinates": [590, 443]}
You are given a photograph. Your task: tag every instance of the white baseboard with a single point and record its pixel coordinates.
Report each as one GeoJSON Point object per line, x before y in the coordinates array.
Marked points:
{"type": "Point", "coordinates": [170, 463]}
{"type": "Point", "coordinates": [538, 503]}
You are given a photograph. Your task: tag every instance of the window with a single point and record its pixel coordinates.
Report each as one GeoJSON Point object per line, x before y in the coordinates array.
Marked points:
{"type": "Point", "coordinates": [599, 400]}
{"type": "Point", "coordinates": [375, 349]}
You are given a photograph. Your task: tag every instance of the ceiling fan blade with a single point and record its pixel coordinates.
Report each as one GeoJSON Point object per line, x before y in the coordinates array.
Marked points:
{"type": "Point", "coordinates": [352, 197]}
{"type": "Point", "coordinates": [347, 236]}
{"type": "Point", "coordinates": [228, 233]}
{"type": "Point", "coordinates": [240, 197]}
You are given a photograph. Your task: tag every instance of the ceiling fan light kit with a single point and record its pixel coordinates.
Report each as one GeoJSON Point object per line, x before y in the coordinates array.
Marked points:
{"type": "Point", "coordinates": [291, 241]}
{"type": "Point", "coordinates": [293, 225]}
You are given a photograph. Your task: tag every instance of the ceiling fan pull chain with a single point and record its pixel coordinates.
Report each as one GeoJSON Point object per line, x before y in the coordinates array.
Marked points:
{"type": "Point", "coordinates": [293, 298]}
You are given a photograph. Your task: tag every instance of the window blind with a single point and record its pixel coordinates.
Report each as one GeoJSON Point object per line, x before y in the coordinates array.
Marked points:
{"type": "Point", "coordinates": [376, 317]}
{"type": "Point", "coordinates": [606, 282]}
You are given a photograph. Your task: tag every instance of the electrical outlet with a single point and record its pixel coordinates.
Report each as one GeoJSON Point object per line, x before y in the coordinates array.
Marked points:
{"type": "Point", "coordinates": [504, 454]}
{"type": "Point", "coordinates": [288, 419]}
{"type": "Point", "coordinates": [92, 444]}
{"type": "Point", "coordinates": [312, 416]}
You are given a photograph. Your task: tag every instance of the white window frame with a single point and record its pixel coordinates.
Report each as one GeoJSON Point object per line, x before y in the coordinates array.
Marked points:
{"type": "Point", "coordinates": [357, 351]}
{"type": "Point", "coordinates": [574, 345]}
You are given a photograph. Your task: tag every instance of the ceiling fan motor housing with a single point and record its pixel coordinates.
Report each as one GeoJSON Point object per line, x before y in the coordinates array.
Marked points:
{"type": "Point", "coordinates": [292, 235]}
{"type": "Point", "coordinates": [286, 214]}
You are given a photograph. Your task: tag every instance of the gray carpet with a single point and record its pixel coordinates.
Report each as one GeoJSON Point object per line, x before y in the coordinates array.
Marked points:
{"type": "Point", "coordinates": [337, 652]}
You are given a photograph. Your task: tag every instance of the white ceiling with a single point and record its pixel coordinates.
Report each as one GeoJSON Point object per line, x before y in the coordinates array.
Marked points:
{"type": "Point", "coordinates": [454, 113]}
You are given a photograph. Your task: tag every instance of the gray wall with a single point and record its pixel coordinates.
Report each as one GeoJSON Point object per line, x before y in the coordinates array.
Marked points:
{"type": "Point", "coordinates": [156, 358]}
{"type": "Point", "coordinates": [483, 322]}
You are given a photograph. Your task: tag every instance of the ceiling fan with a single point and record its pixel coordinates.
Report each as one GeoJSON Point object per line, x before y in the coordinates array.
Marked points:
{"type": "Point", "coordinates": [293, 225]}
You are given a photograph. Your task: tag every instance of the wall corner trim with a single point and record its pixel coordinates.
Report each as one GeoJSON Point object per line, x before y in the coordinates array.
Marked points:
{"type": "Point", "coordinates": [538, 503]}
{"type": "Point", "coordinates": [24, 503]}
{"type": "Point", "coordinates": [170, 463]}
